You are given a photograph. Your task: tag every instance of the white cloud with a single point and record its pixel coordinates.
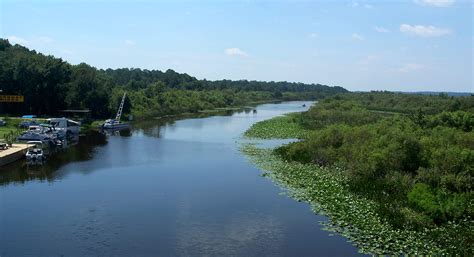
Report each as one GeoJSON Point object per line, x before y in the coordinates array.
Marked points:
{"type": "Point", "coordinates": [17, 40]}
{"type": "Point", "coordinates": [357, 37]}
{"type": "Point", "coordinates": [409, 67]}
{"type": "Point", "coordinates": [235, 52]}
{"type": "Point", "coordinates": [315, 54]}
{"type": "Point", "coordinates": [67, 52]}
{"type": "Point", "coordinates": [356, 4]}
{"type": "Point", "coordinates": [381, 29]}
{"type": "Point", "coordinates": [424, 31]}
{"type": "Point", "coordinates": [368, 59]}
{"type": "Point", "coordinates": [45, 40]}
{"type": "Point", "coordinates": [436, 3]}
{"type": "Point", "coordinates": [129, 42]}
{"type": "Point", "coordinates": [313, 35]}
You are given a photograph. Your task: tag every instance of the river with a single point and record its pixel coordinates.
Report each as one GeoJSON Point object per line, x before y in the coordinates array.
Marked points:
{"type": "Point", "coordinates": [167, 188]}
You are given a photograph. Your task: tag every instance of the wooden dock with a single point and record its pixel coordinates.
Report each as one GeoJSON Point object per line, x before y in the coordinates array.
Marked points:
{"type": "Point", "coordinates": [13, 153]}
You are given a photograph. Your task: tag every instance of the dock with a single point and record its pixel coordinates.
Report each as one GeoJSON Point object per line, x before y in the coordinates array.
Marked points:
{"type": "Point", "coordinates": [13, 153]}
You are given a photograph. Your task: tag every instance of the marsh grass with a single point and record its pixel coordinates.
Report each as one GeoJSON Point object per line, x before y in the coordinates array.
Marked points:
{"type": "Point", "coordinates": [353, 216]}
{"type": "Point", "coordinates": [280, 127]}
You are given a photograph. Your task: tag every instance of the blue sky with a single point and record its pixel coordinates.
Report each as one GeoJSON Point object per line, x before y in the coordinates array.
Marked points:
{"type": "Point", "coordinates": [410, 45]}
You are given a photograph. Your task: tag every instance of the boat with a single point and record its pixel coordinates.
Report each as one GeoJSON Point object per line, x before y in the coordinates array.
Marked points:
{"type": "Point", "coordinates": [34, 136]}
{"type": "Point", "coordinates": [42, 132]}
{"type": "Point", "coordinates": [66, 125]}
{"type": "Point", "coordinates": [116, 124]}
{"type": "Point", "coordinates": [35, 153]}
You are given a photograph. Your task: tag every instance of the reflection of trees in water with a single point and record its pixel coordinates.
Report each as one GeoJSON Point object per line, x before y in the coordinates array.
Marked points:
{"type": "Point", "coordinates": [121, 132]}
{"type": "Point", "coordinates": [19, 172]}
{"type": "Point", "coordinates": [152, 127]}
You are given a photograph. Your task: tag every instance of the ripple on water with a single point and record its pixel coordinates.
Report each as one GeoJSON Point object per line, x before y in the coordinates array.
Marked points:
{"type": "Point", "coordinates": [244, 234]}
{"type": "Point", "coordinates": [94, 231]}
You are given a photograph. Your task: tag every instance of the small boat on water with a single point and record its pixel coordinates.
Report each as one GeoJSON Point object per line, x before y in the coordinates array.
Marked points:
{"type": "Point", "coordinates": [35, 154]}
{"type": "Point", "coordinates": [116, 124]}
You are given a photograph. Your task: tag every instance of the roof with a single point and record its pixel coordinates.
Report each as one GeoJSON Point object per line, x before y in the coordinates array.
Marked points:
{"type": "Point", "coordinates": [76, 111]}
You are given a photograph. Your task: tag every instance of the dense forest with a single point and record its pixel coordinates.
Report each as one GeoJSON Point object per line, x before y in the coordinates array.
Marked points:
{"type": "Point", "coordinates": [50, 85]}
{"type": "Point", "coordinates": [412, 154]}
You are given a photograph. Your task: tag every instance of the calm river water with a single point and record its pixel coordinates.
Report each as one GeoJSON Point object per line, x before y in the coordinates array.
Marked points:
{"type": "Point", "coordinates": [176, 188]}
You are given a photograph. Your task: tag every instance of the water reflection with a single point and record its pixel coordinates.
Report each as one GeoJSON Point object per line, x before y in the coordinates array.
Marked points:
{"type": "Point", "coordinates": [126, 132]}
{"type": "Point", "coordinates": [244, 234]}
{"type": "Point", "coordinates": [170, 188]}
{"type": "Point", "coordinates": [76, 151]}
{"type": "Point", "coordinates": [84, 148]}
{"type": "Point", "coordinates": [152, 127]}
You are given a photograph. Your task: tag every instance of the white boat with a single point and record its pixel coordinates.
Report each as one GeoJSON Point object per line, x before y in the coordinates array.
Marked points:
{"type": "Point", "coordinates": [116, 124]}
{"type": "Point", "coordinates": [68, 126]}
{"type": "Point", "coordinates": [35, 153]}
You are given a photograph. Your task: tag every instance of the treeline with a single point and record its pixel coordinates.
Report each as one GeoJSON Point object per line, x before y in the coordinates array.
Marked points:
{"type": "Point", "coordinates": [50, 85]}
{"type": "Point", "coordinates": [418, 165]}
{"type": "Point", "coordinates": [409, 103]}
{"type": "Point", "coordinates": [137, 78]}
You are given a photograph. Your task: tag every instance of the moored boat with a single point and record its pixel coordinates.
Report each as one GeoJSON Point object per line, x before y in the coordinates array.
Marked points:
{"type": "Point", "coordinates": [116, 124]}
{"type": "Point", "coordinates": [66, 125]}
{"type": "Point", "coordinates": [35, 153]}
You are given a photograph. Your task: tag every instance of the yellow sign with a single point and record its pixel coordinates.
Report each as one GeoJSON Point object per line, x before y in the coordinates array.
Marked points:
{"type": "Point", "coordinates": [12, 99]}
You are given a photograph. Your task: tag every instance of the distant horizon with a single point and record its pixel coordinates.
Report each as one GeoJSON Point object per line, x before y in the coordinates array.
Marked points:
{"type": "Point", "coordinates": [407, 46]}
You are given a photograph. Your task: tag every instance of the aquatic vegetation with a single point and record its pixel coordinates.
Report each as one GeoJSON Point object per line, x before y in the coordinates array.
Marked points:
{"type": "Point", "coordinates": [391, 183]}
{"type": "Point", "coordinates": [353, 216]}
{"type": "Point", "coordinates": [278, 127]}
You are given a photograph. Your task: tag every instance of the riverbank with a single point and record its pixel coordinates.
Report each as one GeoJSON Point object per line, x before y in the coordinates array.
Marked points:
{"type": "Point", "coordinates": [11, 130]}
{"type": "Point", "coordinates": [358, 218]}
{"type": "Point", "coordinates": [211, 111]}
{"type": "Point", "coordinates": [95, 124]}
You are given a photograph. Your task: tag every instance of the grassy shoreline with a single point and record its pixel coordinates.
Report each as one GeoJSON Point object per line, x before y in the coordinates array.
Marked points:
{"type": "Point", "coordinates": [94, 125]}
{"type": "Point", "coordinates": [214, 110]}
{"type": "Point", "coordinates": [10, 131]}
{"type": "Point", "coordinates": [353, 216]}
